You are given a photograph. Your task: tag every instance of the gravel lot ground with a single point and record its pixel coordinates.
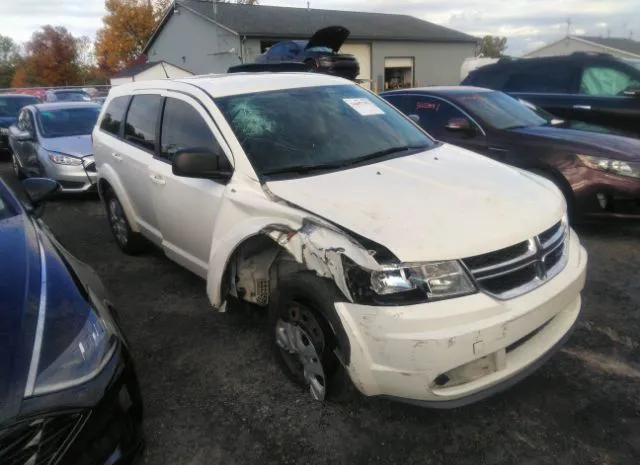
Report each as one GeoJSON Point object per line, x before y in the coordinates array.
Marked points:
{"type": "Point", "coordinates": [213, 395]}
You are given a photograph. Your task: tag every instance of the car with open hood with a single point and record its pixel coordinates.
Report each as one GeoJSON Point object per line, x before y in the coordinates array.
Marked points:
{"type": "Point", "coordinates": [596, 168]}
{"type": "Point", "coordinates": [68, 388]}
{"type": "Point", "coordinates": [321, 53]}
{"type": "Point", "coordinates": [54, 140]}
{"type": "Point", "coordinates": [385, 260]}
{"type": "Point", "coordinates": [10, 106]}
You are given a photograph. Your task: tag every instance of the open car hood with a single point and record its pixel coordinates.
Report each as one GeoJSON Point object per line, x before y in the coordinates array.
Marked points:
{"type": "Point", "coordinates": [332, 37]}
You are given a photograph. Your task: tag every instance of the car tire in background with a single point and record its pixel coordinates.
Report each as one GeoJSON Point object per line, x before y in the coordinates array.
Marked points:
{"type": "Point", "coordinates": [16, 167]}
{"type": "Point", "coordinates": [130, 242]}
{"type": "Point", "coordinates": [303, 341]}
{"type": "Point", "coordinates": [561, 184]}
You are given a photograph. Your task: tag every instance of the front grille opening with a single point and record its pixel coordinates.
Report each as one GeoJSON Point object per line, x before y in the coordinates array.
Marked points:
{"type": "Point", "coordinates": [549, 233]}
{"type": "Point", "coordinates": [466, 373]}
{"type": "Point", "coordinates": [37, 441]}
{"type": "Point", "coordinates": [554, 257]}
{"type": "Point", "coordinates": [509, 281]}
{"type": "Point", "coordinates": [498, 257]}
{"type": "Point", "coordinates": [522, 340]}
{"type": "Point", "coordinates": [71, 184]}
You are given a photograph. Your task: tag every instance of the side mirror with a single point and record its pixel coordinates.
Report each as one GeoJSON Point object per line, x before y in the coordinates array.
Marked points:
{"type": "Point", "coordinates": [202, 163]}
{"type": "Point", "coordinates": [23, 136]}
{"type": "Point", "coordinates": [632, 91]}
{"type": "Point", "coordinates": [39, 189]}
{"type": "Point", "coordinates": [414, 118]}
{"type": "Point", "coordinates": [461, 125]}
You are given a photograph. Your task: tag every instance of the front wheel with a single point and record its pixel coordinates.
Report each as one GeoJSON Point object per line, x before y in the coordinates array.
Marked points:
{"type": "Point", "coordinates": [304, 343]}
{"type": "Point", "coordinates": [130, 242]}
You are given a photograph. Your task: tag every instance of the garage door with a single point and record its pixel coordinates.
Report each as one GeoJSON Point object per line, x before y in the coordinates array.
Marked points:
{"type": "Point", "coordinates": [363, 53]}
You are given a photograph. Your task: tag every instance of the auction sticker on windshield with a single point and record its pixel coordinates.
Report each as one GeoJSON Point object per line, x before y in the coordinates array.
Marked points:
{"type": "Point", "coordinates": [363, 106]}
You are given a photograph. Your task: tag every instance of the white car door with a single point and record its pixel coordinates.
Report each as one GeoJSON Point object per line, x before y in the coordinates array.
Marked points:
{"type": "Point", "coordinates": [186, 208]}
{"type": "Point", "coordinates": [133, 155]}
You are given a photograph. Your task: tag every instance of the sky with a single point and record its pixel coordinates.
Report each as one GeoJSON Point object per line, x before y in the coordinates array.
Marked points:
{"type": "Point", "coordinates": [527, 24]}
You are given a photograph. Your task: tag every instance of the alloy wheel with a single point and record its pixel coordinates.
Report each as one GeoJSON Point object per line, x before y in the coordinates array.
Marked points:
{"type": "Point", "coordinates": [118, 221]}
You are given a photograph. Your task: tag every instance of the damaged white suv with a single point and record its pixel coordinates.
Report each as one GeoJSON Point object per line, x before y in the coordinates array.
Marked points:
{"type": "Point", "coordinates": [414, 269]}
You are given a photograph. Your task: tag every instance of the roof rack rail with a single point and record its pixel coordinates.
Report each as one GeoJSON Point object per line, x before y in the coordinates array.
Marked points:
{"type": "Point", "coordinates": [284, 67]}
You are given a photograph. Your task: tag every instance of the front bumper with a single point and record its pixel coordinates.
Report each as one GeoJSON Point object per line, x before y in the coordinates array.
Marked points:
{"type": "Point", "coordinates": [600, 194]}
{"type": "Point", "coordinates": [98, 423]}
{"type": "Point", "coordinates": [454, 352]}
{"type": "Point", "coordinates": [72, 179]}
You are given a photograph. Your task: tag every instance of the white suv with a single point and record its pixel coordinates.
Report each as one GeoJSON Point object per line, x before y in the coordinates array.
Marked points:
{"type": "Point", "coordinates": [418, 270]}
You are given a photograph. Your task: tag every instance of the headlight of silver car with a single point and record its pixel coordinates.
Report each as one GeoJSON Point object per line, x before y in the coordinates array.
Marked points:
{"type": "Point", "coordinates": [62, 159]}
{"type": "Point", "coordinates": [4, 131]}
{"type": "Point", "coordinates": [623, 168]}
{"type": "Point", "coordinates": [407, 284]}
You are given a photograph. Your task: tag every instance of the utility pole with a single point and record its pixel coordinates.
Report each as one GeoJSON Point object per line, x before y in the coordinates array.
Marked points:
{"type": "Point", "coordinates": [568, 27]}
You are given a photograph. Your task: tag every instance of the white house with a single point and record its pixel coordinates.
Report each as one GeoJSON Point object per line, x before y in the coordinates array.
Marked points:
{"type": "Point", "coordinates": [619, 47]}
{"type": "Point", "coordinates": [149, 71]}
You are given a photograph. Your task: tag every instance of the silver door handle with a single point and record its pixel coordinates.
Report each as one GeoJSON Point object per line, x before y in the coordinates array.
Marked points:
{"type": "Point", "coordinates": [582, 107]}
{"type": "Point", "coordinates": [117, 156]}
{"type": "Point", "coordinates": [157, 179]}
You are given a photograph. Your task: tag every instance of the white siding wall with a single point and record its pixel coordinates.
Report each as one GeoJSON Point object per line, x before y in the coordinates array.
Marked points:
{"type": "Point", "coordinates": [195, 44]}
{"type": "Point", "coordinates": [569, 45]}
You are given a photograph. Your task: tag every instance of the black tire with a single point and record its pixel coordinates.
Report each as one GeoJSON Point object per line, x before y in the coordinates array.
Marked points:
{"type": "Point", "coordinates": [17, 171]}
{"type": "Point", "coordinates": [130, 242]}
{"type": "Point", "coordinates": [564, 188]}
{"type": "Point", "coordinates": [316, 295]}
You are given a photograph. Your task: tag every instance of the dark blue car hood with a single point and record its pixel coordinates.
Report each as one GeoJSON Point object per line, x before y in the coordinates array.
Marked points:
{"type": "Point", "coordinates": [20, 273]}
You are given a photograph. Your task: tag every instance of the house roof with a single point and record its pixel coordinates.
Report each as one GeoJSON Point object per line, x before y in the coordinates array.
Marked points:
{"type": "Point", "coordinates": [618, 43]}
{"type": "Point", "coordinates": [137, 68]}
{"type": "Point", "coordinates": [301, 23]}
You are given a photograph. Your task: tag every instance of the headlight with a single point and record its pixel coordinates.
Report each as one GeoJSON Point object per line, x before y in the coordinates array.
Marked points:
{"type": "Point", "coordinates": [408, 284]}
{"type": "Point", "coordinates": [72, 343]}
{"type": "Point", "coordinates": [61, 159]}
{"type": "Point", "coordinates": [4, 131]}
{"type": "Point", "coordinates": [623, 168]}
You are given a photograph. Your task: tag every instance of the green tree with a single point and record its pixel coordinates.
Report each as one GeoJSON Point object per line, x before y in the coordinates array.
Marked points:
{"type": "Point", "coordinates": [493, 46]}
{"type": "Point", "coordinates": [9, 60]}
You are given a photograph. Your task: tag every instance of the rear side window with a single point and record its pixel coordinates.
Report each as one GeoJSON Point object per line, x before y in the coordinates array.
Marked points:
{"type": "Point", "coordinates": [183, 127]}
{"type": "Point", "coordinates": [114, 115]}
{"type": "Point", "coordinates": [551, 77]}
{"type": "Point", "coordinates": [605, 81]}
{"type": "Point", "coordinates": [142, 118]}
{"type": "Point", "coordinates": [434, 113]}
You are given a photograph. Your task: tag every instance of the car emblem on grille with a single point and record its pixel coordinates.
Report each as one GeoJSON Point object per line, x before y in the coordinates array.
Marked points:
{"type": "Point", "coordinates": [541, 268]}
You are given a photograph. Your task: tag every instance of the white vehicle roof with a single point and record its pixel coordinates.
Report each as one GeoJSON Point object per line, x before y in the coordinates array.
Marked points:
{"type": "Point", "coordinates": [220, 85]}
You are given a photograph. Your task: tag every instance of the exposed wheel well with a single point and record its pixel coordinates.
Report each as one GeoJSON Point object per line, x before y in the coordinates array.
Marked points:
{"type": "Point", "coordinates": [103, 185]}
{"type": "Point", "coordinates": [254, 269]}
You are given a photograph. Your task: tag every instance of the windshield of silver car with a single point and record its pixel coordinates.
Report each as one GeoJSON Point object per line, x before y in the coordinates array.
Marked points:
{"type": "Point", "coordinates": [319, 128]}
{"type": "Point", "coordinates": [66, 122]}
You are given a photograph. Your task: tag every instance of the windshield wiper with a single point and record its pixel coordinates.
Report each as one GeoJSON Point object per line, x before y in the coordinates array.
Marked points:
{"type": "Point", "coordinates": [305, 169]}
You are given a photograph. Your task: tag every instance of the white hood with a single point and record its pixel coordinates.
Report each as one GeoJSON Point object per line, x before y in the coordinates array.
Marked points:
{"type": "Point", "coordinates": [445, 203]}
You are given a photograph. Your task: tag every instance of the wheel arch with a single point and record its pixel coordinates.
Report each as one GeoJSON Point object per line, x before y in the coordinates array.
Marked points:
{"type": "Point", "coordinates": [108, 179]}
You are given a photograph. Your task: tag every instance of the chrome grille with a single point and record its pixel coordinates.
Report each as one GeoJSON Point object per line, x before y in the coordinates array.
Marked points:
{"type": "Point", "coordinates": [520, 268]}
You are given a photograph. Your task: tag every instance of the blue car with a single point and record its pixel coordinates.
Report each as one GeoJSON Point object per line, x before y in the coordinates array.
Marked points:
{"type": "Point", "coordinates": [68, 391]}
{"type": "Point", "coordinates": [10, 106]}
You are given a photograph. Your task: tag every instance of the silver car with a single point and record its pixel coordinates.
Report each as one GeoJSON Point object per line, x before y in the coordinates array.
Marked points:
{"type": "Point", "coordinates": [54, 140]}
